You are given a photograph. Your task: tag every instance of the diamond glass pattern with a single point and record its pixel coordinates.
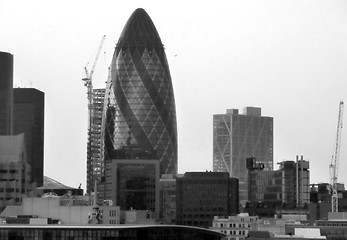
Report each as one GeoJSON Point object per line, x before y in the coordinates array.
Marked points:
{"type": "Point", "coordinates": [139, 107]}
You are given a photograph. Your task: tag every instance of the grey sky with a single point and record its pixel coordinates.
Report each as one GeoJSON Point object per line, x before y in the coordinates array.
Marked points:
{"type": "Point", "coordinates": [287, 57]}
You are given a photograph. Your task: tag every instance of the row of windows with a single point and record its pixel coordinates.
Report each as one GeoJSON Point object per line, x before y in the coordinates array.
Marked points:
{"type": "Point", "coordinates": [235, 232]}
{"type": "Point", "coordinates": [232, 225]}
{"type": "Point", "coordinates": [8, 171]}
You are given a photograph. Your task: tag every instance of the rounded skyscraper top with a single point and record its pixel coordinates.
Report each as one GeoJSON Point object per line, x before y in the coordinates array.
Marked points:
{"type": "Point", "coordinates": [140, 31]}
{"type": "Point", "coordinates": [139, 114]}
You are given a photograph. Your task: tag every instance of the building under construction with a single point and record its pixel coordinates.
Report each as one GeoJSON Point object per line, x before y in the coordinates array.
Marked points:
{"type": "Point", "coordinates": [94, 139]}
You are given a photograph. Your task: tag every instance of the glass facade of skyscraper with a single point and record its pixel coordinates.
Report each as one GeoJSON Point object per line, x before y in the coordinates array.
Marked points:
{"type": "Point", "coordinates": [240, 136]}
{"type": "Point", "coordinates": [139, 108]}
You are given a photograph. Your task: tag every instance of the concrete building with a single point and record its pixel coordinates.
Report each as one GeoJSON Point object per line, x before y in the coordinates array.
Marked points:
{"type": "Point", "coordinates": [28, 118]}
{"type": "Point", "coordinates": [235, 227]}
{"type": "Point", "coordinates": [6, 94]}
{"type": "Point", "coordinates": [94, 160]}
{"type": "Point", "coordinates": [68, 211]}
{"type": "Point", "coordinates": [240, 136]}
{"type": "Point", "coordinates": [15, 173]}
{"type": "Point", "coordinates": [202, 195]}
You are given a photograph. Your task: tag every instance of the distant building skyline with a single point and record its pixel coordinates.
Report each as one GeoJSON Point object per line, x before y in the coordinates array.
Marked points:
{"type": "Point", "coordinates": [240, 136]}
{"type": "Point", "coordinates": [139, 108]}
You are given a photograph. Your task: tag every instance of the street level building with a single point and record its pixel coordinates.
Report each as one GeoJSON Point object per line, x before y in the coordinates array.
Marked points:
{"type": "Point", "coordinates": [6, 95]}
{"type": "Point", "coordinates": [202, 195]}
{"type": "Point", "coordinates": [28, 118]}
{"type": "Point", "coordinates": [237, 137]}
{"type": "Point", "coordinates": [139, 100]}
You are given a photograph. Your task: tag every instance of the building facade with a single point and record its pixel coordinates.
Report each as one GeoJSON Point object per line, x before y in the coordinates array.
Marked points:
{"type": "Point", "coordinates": [94, 160]}
{"type": "Point", "coordinates": [237, 137]}
{"type": "Point", "coordinates": [28, 118]}
{"type": "Point", "coordinates": [296, 182]}
{"type": "Point", "coordinates": [285, 188]}
{"type": "Point", "coordinates": [202, 195]}
{"type": "Point", "coordinates": [235, 227]}
{"type": "Point", "coordinates": [133, 184]}
{"type": "Point", "coordinates": [6, 94]}
{"type": "Point", "coordinates": [139, 101]}
{"type": "Point", "coordinates": [167, 191]}
{"type": "Point", "coordinates": [15, 176]}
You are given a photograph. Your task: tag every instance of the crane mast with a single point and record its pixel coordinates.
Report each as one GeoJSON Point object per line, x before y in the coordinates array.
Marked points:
{"type": "Point", "coordinates": [335, 161]}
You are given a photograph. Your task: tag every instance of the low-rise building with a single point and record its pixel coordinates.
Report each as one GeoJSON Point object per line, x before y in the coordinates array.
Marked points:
{"type": "Point", "coordinates": [235, 227]}
{"type": "Point", "coordinates": [64, 211]}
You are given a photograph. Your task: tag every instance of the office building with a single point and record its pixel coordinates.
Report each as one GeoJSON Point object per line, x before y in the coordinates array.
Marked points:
{"type": "Point", "coordinates": [28, 118]}
{"type": "Point", "coordinates": [94, 140]}
{"type": "Point", "coordinates": [202, 195]}
{"type": "Point", "coordinates": [167, 199]}
{"type": "Point", "coordinates": [14, 171]}
{"type": "Point", "coordinates": [287, 188]}
{"type": "Point", "coordinates": [296, 182]}
{"type": "Point", "coordinates": [139, 101]}
{"type": "Point", "coordinates": [237, 137]}
{"type": "Point", "coordinates": [6, 95]}
{"type": "Point", "coordinates": [133, 184]}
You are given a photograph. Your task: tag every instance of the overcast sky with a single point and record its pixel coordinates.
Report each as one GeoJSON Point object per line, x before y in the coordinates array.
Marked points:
{"type": "Point", "coordinates": [287, 57]}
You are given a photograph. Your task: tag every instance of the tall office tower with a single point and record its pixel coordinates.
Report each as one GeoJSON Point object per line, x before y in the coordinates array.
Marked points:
{"type": "Point", "coordinates": [139, 106]}
{"type": "Point", "coordinates": [237, 137]}
{"type": "Point", "coordinates": [6, 96]}
{"type": "Point", "coordinates": [94, 140]}
{"type": "Point", "coordinates": [28, 118]}
{"type": "Point", "coordinates": [202, 195]}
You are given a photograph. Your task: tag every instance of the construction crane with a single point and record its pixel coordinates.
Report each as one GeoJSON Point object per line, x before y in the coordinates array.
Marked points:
{"type": "Point", "coordinates": [88, 79]}
{"type": "Point", "coordinates": [89, 84]}
{"type": "Point", "coordinates": [335, 162]}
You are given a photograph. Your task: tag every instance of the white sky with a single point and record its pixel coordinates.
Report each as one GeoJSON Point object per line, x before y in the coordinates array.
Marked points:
{"type": "Point", "coordinates": [287, 57]}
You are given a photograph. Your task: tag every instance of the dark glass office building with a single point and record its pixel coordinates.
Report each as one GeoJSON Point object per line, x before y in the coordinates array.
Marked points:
{"type": "Point", "coordinates": [6, 95]}
{"type": "Point", "coordinates": [134, 184]}
{"type": "Point", "coordinates": [28, 118]}
{"type": "Point", "coordinates": [139, 105]}
{"type": "Point", "coordinates": [202, 195]}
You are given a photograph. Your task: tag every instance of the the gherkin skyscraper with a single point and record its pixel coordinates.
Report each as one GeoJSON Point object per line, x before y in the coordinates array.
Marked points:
{"type": "Point", "coordinates": [139, 109]}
